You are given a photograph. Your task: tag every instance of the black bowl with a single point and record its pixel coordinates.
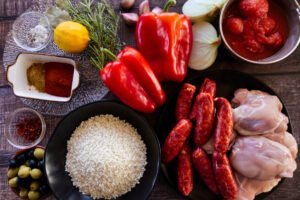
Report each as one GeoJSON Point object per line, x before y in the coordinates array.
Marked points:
{"type": "Point", "coordinates": [55, 155]}
{"type": "Point", "coordinates": [227, 82]}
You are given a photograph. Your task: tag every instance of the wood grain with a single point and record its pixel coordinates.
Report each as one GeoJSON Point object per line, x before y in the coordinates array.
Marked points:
{"type": "Point", "coordinates": [283, 77]}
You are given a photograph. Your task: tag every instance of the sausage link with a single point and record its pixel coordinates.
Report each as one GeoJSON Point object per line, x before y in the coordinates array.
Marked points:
{"type": "Point", "coordinates": [175, 140]}
{"type": "Point", "coordinates": [185, 171]}
{"type": "Point", "coordinates": [224, 176]}
{"type": "Point", "coordinates": [184, 101]}
{"type": "Point", "coordinates": [224, 124]}
{"type": "Point", "coordinates": [204, 118]}
{"type": "Point", "coordinates": [209, 86]}
{"type": "Point", "coordinates": [203, 166]}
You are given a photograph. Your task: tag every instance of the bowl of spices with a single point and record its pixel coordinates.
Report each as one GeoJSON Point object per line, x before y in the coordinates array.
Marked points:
{"type": "Point", "coordinates": [44, 77]}
{"type": "Point", "coordinates": [32, 31]}
{"type": "Point", "coordinates": [260, 31]}
{"type": "Point", "coordinates": [25, 128]}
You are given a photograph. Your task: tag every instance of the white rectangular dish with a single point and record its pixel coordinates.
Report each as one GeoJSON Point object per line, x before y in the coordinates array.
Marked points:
{"type": "Point", "coordinates": [16, 76]}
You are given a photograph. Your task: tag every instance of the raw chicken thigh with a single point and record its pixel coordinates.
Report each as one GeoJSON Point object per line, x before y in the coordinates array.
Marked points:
{"type": "Point", "coordinates": [257, 157]}
{"type": "Point", "coordinates": [287, 140]}
{"type": "Point", "coordinates": [257, 113]}
{"type": "Point", "coordinates": [249, 188]}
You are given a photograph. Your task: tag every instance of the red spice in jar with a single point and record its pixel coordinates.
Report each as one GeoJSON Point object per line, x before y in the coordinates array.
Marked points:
{"type": "Point", "coordinates": [29, 128]}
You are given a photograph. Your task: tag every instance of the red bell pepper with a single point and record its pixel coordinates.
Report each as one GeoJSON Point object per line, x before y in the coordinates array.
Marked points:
{"type": "Point", "coordinates": [165, 40]}
{"type": "Point", "coordinates": [131, 79]}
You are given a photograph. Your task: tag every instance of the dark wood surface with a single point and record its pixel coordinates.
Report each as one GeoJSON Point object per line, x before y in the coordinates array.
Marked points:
{"type": "Point", "coordinates": [283, 77]}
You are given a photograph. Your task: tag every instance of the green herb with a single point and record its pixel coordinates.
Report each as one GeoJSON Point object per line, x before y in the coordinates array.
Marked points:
{"type": "Point", "coordinates": [102, 22]}
{"type": "Point", "coordinates": [55, 16]}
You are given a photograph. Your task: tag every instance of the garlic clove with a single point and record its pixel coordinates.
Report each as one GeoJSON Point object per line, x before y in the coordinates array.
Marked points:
{"type": "Point", "coordinates": [157, 10]}
{"type": "Point", "coordinates": [127, 4]}
{"type": "Point", "coordinates": [144, 7]}
{"type": "Point", "coordinates": [130, 18]}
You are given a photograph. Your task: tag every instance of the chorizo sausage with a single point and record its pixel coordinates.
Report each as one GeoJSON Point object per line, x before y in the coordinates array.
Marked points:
{"type": "Point", "coordinates": [184, 101]}
{"type": "Point", "coordinates": [203, 166]}
{"type": "Point", "coordinates": [175, 140]}
{"type": "Point", "coordinates": [224, 124]}
{"type": "Point", "coordinates": [185, 171]}
{"type": "Point", "coordinates": [209, 86]}
{"type": "Point", "coordinates": [224, 176]}
{"type": "Point", "coordinates": [204, 118]}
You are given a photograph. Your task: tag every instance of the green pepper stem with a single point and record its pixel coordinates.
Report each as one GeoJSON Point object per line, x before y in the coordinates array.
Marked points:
{"type": "Point", "coordinates": [169, 4]}
{"type": "Point", "coordinates": [110, 54]}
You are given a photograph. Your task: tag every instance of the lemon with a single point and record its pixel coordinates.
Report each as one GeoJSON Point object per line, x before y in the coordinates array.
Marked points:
{"type": "Point", "coordinates": [71, 37]}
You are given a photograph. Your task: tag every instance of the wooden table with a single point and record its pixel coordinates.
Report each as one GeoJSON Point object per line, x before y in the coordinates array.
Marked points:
{"type": "Point", "coordinates": [283, 77]}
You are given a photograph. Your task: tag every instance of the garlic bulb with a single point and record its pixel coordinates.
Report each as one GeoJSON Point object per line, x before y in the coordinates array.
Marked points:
{"type": "Point", "coordinates": [144, 7]}
{"type": "Point", "coordinates": [202, 10]}
{"type": "Point", "coordinates": [205, 46]}
{"type": "Point", "coordinates": [130, 18]}
{"type": "Point", "coordinates": [127, 4]}
{"type": "Point", "coordinates": [157, 10]}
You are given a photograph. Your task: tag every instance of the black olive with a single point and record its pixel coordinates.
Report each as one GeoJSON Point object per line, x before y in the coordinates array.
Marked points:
{"type": "Point", "coordinates": [21, 159]}
{"type": "Point", "coordinates": [32, 163]}
{"type": "Point", "coordinates": [40, 165]}
{"type": "Point", "coordinates": [24, 182]}
{"type": "Point", "coordinates": [29, 154]}
{"type": "Point", "coordinates": [12, 163]}
{"type": "Point", "coordinates": [44, 189]}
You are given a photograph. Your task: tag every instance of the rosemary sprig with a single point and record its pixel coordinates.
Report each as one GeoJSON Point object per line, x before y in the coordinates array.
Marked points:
{"type": "Point", "coordinates": [102, 22]}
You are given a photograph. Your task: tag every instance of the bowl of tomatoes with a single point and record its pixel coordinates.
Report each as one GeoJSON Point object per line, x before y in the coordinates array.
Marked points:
{"type": "Point", "coordinates": [260, 31]}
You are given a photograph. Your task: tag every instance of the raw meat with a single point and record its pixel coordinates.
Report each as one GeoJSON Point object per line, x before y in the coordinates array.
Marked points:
{"type": "Point", "coordinates": [249, 188]}
{"type": "Point", "coordinates": [257, 113]}
{"type": "Point", "coordinates": [287, 140]}
{"type": "Point", "coordinates": [260, 158]}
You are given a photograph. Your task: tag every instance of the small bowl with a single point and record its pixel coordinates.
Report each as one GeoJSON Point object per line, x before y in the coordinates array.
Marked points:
{"type": "Point", "coordinates": [17, 77]}
{"type": "Point", "coordinates": [24, 24]}
{"type": "Point", "coordinates": [11, 130]}
{"type": "Point", "coordinates": [23, 151]}
{"type": "Point", "coordinates": [292, 11]}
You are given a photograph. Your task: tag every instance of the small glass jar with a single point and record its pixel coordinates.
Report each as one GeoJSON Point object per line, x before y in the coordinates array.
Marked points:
{"type": "Point", "coordinates": [14, 120]}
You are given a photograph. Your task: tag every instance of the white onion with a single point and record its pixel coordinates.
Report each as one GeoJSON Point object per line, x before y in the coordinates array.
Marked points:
{"type": "Point", "coordinates": [205, 46]}
{"type": "Point", "coordinates": [202, 10]}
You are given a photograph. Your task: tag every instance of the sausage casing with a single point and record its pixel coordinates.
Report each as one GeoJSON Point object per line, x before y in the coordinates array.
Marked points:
{"type": "Point", "coordinates": [184, 101]}
{"type": "Point", "coordinates": [204, 168]}
{"type": "Point", "coordinates": [175, 140]}
{"type": "Point", "coordinates": [185, 171]}
{"type": "Point", "coordinates": [224, 176]}
{"type": "Point", "coordinates": [209, 86]}
{"type": "Point", "coordinates": [224, 124]}
{"type": "Point", "coordinates": [204, 118]}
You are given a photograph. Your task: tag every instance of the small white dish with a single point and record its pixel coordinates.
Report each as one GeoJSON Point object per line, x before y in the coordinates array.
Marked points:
{"type": "Point", "coordinates": [17, 76]}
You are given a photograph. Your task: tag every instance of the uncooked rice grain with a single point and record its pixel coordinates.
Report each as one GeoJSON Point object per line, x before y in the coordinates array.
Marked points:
{"type": "Point", "coordinates": [106, 157]}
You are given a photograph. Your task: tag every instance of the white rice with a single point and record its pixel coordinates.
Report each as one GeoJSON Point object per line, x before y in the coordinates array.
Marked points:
{"type": "Point", "coordinates": [106, 157]}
